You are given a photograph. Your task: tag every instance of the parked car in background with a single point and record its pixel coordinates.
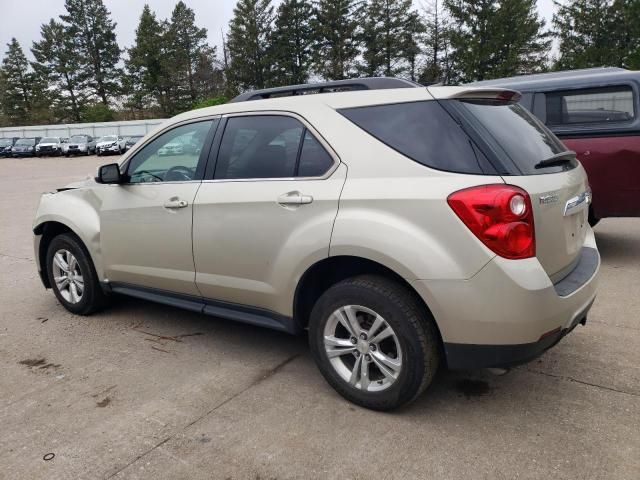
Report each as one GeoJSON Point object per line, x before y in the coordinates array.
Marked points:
{"type": "Point", "coordinates": [80, 145]}
{"type": "Point", "coordinates": [132, 140]}
{"type": "Point", "coordinates": [459, 235]}
{"type": "Point", "coordinates": [5, 146]}
{"type": "Point", "coordinates": [110, 144]}
{"type": "Point", "coordinates": [596, 113]}
{"type": "Point", "coordinates": [25, 147]}
{"type": "Point", "coordinates": [49, 146]}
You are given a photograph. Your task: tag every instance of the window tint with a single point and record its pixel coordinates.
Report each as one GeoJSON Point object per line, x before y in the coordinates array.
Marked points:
{"type": "Point", "coordinates": [516, 132]}
{"type": "Point", "coordinates": [314, 159]}
{"type": "Point", "coordinates": [422, 131]}
{"type": "Point", "coordinates": [595, 105]}
{"type": "Point", "coordinates": [261, 146]}
{"type": "Point", "coordinates": [171, 157]}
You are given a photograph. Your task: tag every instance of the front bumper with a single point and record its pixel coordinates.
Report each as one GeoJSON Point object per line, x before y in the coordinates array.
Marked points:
{"type": "Point", "coordinates": [510, 312]}
{"type": "Point", "coordinates": [23, 154]}
{"type": "Point", "coordinates": [110, 149]}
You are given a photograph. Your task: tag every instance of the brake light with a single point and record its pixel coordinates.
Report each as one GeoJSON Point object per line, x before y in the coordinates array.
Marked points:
{"type": "Point", "coordinates": [500, 216]}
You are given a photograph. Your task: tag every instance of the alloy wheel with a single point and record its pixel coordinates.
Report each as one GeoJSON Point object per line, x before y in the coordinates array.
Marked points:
{"type": "Point", "coordinates": [68, 276]}
{"type": "Point", "coordinates": [363, 348]}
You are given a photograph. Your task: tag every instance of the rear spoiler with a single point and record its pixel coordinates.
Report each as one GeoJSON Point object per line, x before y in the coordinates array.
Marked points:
{"type": "Point", "coordinates": [477, 93]}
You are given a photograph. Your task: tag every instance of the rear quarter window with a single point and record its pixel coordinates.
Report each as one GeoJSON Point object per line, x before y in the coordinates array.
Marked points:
{"type": "Point", "coordinates": [424, 132]}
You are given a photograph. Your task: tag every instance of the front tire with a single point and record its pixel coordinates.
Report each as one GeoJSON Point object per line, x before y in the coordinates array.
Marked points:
{"type": "Point", "coordinates": [374, 342]}
{"type": "Point", "coordinates": [73, 277]}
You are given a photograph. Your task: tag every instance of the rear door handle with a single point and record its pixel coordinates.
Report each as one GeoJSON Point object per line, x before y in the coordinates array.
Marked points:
{"type": "Point", "coordinates": [294, 198]}
{"type": "Point", "coordinates": [175, 203]}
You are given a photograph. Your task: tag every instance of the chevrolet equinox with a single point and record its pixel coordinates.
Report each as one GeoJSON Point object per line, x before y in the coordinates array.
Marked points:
{"type": "Point", "coordinates": [403, 227]}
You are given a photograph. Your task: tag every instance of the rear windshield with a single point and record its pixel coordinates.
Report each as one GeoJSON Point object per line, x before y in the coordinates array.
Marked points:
{"type": "Point", "coordinates": [424, 132]}
{"type": "Point", "coordinates": [476, 137]}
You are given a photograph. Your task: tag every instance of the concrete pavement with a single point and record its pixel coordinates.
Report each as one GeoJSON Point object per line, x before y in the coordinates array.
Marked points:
{"type": "Point", "coordinates": [147, 391]}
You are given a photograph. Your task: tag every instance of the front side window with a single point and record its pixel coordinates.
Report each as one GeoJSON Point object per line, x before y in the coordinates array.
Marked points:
{"type": "Point", "coordinates": [269, 146]}
{"type": "Point", "coordinates": [172, 156]}
{"type": "Point", "coordinates": [593, 105]}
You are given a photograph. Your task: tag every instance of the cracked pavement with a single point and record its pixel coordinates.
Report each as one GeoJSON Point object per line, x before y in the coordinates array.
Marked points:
{"type": "Point", "coordinates": [148, 391]}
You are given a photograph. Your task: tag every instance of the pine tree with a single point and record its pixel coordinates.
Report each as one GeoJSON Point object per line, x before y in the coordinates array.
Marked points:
{"type": "Point", "coordinates": [89, 23]}
{"type": "Point", "coordinates": [623, 33]}
{"type": "Point", "coordinates": [390, 37]}
{"type": "Point", "coordinates": [18, 81]}
{"type": "Point", "coordinates": [292, 41]}
{"type": "Point", "coordinates": [493, 38]}
{"type": "Point", "coordinates": [336, 38]}
{"type": "Point", "coordinates": [58, 64]}
{"type": "Point", "coordinates": [248, 44]}
{"type": "Point", "coordinates": [437, 33]}
{"type": "Point", "coordinates": [145, 70]}
{"type": "Point", "coordinates": [187, 44]}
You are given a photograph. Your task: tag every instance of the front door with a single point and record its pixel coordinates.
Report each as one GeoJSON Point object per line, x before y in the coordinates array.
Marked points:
{"type": "Point", "coordinates": [146, 222]}
{"type": "Point", "coordinates": [266, 212]}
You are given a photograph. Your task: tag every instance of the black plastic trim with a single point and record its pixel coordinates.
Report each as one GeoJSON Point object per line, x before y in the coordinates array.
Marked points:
{"type": "Point", "coordinates": [216, 308]}
{"type": "Point", "coordinates": [588, 262]}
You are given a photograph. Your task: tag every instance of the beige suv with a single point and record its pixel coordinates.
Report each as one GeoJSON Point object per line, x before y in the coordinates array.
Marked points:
{"type": "Point", "coordinates": [404, 228]}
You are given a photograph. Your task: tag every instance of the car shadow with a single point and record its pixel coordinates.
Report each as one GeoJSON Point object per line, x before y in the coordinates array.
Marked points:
{"type": "Point", "coordinates": [617, 248]}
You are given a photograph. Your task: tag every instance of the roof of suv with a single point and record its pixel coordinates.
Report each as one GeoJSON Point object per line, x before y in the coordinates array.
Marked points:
{"type": "Point", "coordinates": [346, 99]}
{"type": "Point", "coordinates": [553, 80]}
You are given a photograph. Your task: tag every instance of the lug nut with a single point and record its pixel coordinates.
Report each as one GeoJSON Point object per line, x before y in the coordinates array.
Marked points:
{"type": "Point", "coordinates": [372, 347]}
{"type": "Point", "coordinates": [357, 354]}
{"type": "Point", "coordinates": [367, 357]}
{"type": "Point", "coordinates": [353, 340]}
{"type": "Point", "coordinates": [363, 336]}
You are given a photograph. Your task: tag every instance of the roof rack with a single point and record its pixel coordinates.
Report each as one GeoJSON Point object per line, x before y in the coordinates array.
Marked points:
{"type": "Point", "coordinates": [371, 83]}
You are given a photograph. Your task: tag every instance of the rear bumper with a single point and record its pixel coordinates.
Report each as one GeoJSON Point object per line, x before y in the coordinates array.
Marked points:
{"type": "Point", "coordinates": [462, 356]}
{"type": "Point", "coordinates": [510, 312]}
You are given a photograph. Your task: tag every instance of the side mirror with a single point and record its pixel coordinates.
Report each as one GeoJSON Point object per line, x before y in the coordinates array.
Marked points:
{"type": "Point", "coordinates": [109, 174]}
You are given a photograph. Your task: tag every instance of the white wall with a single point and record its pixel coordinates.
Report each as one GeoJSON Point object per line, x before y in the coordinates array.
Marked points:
{"type": "Point", "coordinates": [125, 128]}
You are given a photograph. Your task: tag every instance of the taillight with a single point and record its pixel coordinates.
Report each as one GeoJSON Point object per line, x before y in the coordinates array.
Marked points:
{"type": "Point", "coordinates": [500, 216]}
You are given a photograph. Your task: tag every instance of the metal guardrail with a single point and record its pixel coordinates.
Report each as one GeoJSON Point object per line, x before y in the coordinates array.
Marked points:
{"type": "Point", "coordinates": [96, 130]}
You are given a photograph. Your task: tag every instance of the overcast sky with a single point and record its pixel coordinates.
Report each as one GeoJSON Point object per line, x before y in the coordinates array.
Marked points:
{"type": "Point", "coordinates": [22, 18]}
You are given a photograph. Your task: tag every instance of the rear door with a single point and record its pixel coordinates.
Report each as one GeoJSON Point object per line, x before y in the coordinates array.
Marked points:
{"type": "Point", "coordinates": [265, 211]}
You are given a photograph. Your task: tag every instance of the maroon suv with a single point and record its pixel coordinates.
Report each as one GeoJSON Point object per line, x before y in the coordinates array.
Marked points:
{"type": "Point", "coordinates": [595, 112]}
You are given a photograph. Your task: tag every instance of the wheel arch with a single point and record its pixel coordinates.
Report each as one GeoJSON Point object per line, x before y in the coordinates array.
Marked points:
{"type": "Point", "coordinates": [327, 272]}
{"type": "Point", "coordinates": [47, 231]}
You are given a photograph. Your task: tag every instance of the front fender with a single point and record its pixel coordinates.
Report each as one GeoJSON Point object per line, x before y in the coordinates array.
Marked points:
{"type": "Point", "coordinates": [78, 211]}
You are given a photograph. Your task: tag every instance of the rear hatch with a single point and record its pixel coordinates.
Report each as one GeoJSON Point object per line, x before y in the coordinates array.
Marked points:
{"type": "Point", "coordinates": [526, 154]}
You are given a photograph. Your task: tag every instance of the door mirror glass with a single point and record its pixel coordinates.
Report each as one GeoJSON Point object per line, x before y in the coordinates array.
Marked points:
{"type": "Point", "coordinates": [109, 174]}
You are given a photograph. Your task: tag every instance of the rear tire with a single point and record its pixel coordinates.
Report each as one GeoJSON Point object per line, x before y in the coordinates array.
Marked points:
{"type": "Point", "coordinates": [409, 353]}
{"type": "Point", "coordinates": [73, 277]}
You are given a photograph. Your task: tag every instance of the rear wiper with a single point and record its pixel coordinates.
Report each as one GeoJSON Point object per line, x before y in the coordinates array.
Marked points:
{"type": "Point", "coordinates": [557, 159]}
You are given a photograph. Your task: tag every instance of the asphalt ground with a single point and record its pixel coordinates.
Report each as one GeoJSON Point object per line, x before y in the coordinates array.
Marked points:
{"type": "Point", "coordinates": [148, 391]}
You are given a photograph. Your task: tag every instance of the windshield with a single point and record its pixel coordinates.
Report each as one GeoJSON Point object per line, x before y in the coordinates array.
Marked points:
{"type": "Point", "coordinates": [78, 139]}
{"type": "Point", "coordinates": [108, 138]}
{"type": "Point", "coordinates": [515, 135]}
{"type": "Point", "coordinates": [5, 143]}
{"type": "Point", "coordinates": [50, 140]}
{"type": "Point", "coordinates": [26, 141]}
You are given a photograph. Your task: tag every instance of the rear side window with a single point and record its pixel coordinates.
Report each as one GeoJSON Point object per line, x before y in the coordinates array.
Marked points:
{"type": "Point", "coordinates": [593, 105]}
{"type": "Point", "coordinates": [269, 146]}
{"type": "Point", "coordinates": [422, 131]}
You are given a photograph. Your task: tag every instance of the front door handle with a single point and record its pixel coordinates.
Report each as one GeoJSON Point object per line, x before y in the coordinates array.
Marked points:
{"type": "Point", "coordinates": [294, 198]}
{"type": "Point", "coordinates": [175, 203]}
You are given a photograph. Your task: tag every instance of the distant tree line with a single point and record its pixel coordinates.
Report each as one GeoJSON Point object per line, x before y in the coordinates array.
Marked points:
{"type": "Point", "coordinates": [80, 73]}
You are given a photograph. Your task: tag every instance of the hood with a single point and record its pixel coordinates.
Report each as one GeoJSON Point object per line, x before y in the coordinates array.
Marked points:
{"type": "Point", "coordinates": [47, 144]}
{"type": "Point", "coordinates": [89, 181]}
{"type": "Point", "coordinates": [110, 142]}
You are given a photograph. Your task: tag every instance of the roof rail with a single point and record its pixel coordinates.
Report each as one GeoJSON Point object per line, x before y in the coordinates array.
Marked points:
{"type": "Point", "coordinates": [371, 83]}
